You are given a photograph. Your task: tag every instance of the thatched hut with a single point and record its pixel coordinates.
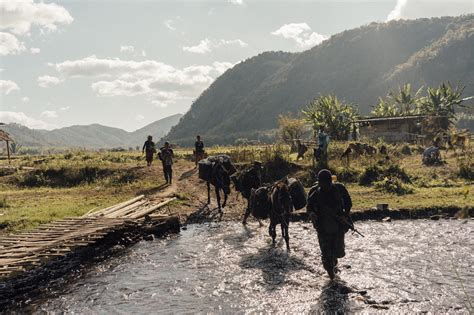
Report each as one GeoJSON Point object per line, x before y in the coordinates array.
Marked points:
{"type": "Point", "coordinates": [412, 129]}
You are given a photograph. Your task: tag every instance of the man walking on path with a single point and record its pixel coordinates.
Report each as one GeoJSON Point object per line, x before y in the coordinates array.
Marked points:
{"type": "Point", "coordinates": [149, 150]}
{"type": "Point", "coordinates": [328, 206]}
{"type": "Point", "coordinates": [166, 156]}
{"type": "Point", "coordinates": [198, 150]}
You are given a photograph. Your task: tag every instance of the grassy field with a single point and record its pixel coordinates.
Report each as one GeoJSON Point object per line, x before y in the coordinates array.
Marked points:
{"type": "Point", "coordinates": [39, 189]}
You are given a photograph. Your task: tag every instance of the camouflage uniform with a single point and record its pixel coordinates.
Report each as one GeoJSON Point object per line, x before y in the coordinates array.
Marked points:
{"type": "Point", "coordinates": [327, 208]}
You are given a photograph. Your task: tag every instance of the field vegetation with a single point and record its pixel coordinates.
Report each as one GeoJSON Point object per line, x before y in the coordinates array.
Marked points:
{"type": "Point", "coordinates": [39, 189]}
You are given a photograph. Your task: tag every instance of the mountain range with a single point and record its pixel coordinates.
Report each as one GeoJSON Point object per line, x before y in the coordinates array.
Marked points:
{"type": "Point", "coordinates": [90, 136]}
{"type": "Point", "coordinates": [358, 65]}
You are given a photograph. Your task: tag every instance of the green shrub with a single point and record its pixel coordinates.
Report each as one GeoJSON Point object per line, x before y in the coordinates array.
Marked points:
{"type": "Point", "coordinates": [394, 186]}
{"type": "Point", "coordinates": [376, 173]}
{"type": "Point", "coordinates": [347, 175]}
{"type": "Point", "coordinates": [370, 174]}
{"type": "Point", "coordinates": [466, 167]}
{"type": "Point", "coordinates": [4, 203]}
{"type": "Point", "coordinates": [396, 171]}
{"type": "Point", "coordinates": [32, 179]}
{"type": "Point", "coordinates": [406, 150]}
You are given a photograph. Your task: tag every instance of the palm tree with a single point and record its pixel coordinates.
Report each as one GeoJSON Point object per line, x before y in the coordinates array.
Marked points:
{"type": "Point", "coordinates": [385, 109]}
{"type": "Point", "coordinates": [441, 101]}
{"type": "Point", "coordinates": [406, 103]}
{"type": "Point", "coordinates": [329, 111]}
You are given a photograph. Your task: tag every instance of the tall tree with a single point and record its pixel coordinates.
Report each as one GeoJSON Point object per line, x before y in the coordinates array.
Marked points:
{"type": "Point", "coordinates": [290, 128]}
{"type": "Point", "coordinates": [334, 115]}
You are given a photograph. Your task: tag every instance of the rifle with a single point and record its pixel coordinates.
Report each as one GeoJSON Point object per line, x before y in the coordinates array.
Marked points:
{"type": "Point", "coordinates": [347, 222]}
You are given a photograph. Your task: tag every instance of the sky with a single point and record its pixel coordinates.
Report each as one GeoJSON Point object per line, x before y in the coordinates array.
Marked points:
{"type": "Point", "coordinates": [128, 63]}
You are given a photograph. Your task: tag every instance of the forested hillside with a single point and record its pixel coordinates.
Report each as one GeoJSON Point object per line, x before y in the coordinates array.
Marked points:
{"type": "Point", "coordinates": [357, 65]}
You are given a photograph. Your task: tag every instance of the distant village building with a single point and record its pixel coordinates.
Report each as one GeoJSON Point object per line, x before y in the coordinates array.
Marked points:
{"type": "Point", "coordinates": [413, 129]}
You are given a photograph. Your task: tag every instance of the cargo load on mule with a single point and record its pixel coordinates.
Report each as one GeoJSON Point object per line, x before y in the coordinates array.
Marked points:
{"type": "Point", "coordinates": [206, 166]}
{"type": "Point", "coordinates": [297, 192]}
{"type": "Point", "coordinates": [260, 202]}
{"type": "Point", "coordinates": [205, 169]}
{"type": "Point", "coordinates": [216, 170]}
{"type": "Point", "coordinates": [244, 181]}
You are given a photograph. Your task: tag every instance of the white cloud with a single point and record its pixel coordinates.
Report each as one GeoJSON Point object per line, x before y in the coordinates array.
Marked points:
{"type": "Point", "coordinates": [22, 119]}
{"type": "Point", "coordinates": [10, 45]}
{"type": "Point", "coordinates": [170, 24]}
{"type": "Point", "coordinates": [203, 47]}
{"type": "Point", "coordinates": [139, 117]}
{"type": "Point", "coordinates": [143, 53]}
{"type": "Point", "coordinates": [157, 81]}
{"type": "Point", "coordinates": [127, 49]}
{"type": "Point", "coordinates": [301, 33]}
{"type": "Point", "coordinates": [20, 16]}
{"type": "Point", "coordinates": [206, 45]}
{"type": "Point", "coordinates": [238, 2]}
{"type": "Point", "coordinates": [25, 99]}
{"type": "Point", "coordinates": [413, 9]}
{"type": "Point", "coordinates": [49, 114]}
{"type": "Point", "coordinates": [64, 108]}
{"type": "Point", "coordinates": [7, 86]}
{"type": "Point", "coordinates": [48, 81]}
{"type": "Point", "coordinates": [35, 50]}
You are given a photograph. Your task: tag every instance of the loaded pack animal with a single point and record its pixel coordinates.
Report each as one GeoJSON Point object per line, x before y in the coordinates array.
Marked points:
{"type": "Point", "coordinates": [216, 171]}
{"type": "Point", "coordinates": [246, 182]}
{"type": "Point", "coordinates": [281, 207]}
{"type": "Point", "coordinates": [358, 149]}
{"type": "Point", "coordinates": [278, 201]}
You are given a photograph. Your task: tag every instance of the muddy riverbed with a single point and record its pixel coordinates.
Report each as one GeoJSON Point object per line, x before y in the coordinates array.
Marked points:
{"type": "Point", "coordinates": [400, 266]}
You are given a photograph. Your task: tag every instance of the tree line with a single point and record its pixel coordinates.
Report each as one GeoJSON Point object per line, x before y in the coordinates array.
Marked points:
{"type": "Point", "coordinates": [338, 116]}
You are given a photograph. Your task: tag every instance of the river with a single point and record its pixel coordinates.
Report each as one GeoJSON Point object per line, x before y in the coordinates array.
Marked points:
{"type": "Point", "coordinates": [400, 266]}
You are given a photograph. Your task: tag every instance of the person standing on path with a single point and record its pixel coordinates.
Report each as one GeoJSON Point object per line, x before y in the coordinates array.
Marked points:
{"type": "Point", "coordinates": [198, 150]}
{"type": "Point", "coordinates": [149, 149]}
{"type": "Point", "coordinates": [166, 156]}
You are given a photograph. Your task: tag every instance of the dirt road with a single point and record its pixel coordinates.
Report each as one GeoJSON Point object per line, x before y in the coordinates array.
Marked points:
{"type": "Point", "coordinates": [192, 194]}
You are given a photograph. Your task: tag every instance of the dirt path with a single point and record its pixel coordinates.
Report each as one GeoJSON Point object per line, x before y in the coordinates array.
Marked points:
{"type": "Point", "coordinates": [192, 193]}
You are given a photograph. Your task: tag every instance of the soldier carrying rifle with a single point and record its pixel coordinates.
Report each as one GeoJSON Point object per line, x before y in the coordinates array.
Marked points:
{"type": "Point", "coordinates": [328, 206]}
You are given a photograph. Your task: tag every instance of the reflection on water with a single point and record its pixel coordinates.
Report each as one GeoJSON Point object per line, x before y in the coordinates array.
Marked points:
{"type": "Point", "coordinates": [224, 267]}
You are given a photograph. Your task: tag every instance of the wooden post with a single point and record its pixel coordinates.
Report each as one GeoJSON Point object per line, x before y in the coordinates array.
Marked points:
{"type": "Point", "coordinates": [8, 151]}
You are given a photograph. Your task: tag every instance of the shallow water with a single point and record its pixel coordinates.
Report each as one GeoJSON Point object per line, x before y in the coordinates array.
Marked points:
{"type": "Point", "coordinates": [402, 266]}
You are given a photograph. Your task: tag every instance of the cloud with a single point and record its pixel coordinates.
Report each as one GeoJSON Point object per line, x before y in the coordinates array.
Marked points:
{"type": "Point", "coordinates": [206, 45]}
{"type": "Point", "coordinates": [22, 119]}
{"type": "Point", "coordinates": [301, 33]}
{"type": "Point", "coordinates": [35, 50]}
{"type": "Point", "coordinates": [139, 117]}
{"type": "Point", "coordinates": [25, 99]}
{"type": "Point", "coordinates": [19, 16]}
{"type": "Point", "coordinates": [127, 49]}
{"type": "Point", "coordinates": [158, 81]}
{"type": "Point", "coordinates": [49, 114]}
{"type": "Point", "coordinates": [64, 108]}
{"type": "Point", "coordinates": [413, 9]}
{"type": "Point", "coordinates": [7, 86]}
{"type": "Point", "coordinates": [10, 45]}
{"type": "Point", "coordinates": [238, 2]}
{"type": "Point", "coordinates": [46, 81]}
{"type": "Point", "coordinates": [170, 24]}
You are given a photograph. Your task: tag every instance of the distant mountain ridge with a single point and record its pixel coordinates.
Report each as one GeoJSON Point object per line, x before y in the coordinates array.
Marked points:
{"type": "Point", "coordinates": [92, 136]}
{"type": "Point", "coordinates": [358, 65]}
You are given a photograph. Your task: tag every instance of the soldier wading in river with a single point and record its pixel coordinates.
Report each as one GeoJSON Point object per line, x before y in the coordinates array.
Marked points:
{"type": "Point", "coordinates": [328, 206]}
